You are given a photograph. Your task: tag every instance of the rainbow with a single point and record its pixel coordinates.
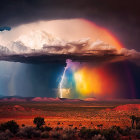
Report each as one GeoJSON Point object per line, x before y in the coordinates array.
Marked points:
{"type": "Point", "coordinates": [91, 81]}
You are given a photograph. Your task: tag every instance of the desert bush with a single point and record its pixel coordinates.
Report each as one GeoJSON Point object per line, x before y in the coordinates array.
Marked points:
{"type": "Point", "coordinates": [111, 134]}
{"type": "Point", "coordinates": [9, 133]}
{"type": "Point", "coordinates": [55, 135]}
{"type": "Point", "coordinates": [58, 128]}
{"type": "Point", "coordinates": [125, 132]}
{"type": "Point", "coordinates": [137, 122]}
{"type": "Point", "coordinates": [46, 128]}
{"type": "Point", "coordinates": [98, 137]}
{"type": "Point", "coordinates": [10, 125]}
{"type": "Point", "coordinates": [133, 119]}
{"type": "Point", "coordinates": [136, 133]}
{"type": "Point", "coordinates": [138, 126]}
{"type": "Point", "coordinates": [67, 136]}
{"type": "Point", "coordinates": [45, 134]}
{"type": "Point", "coordinates": [88, 133]}
{"type": "Point", "coordinates": [42, 129]}
{"type": "Point", "coordinates": [100, 126]}
{"type": "Point", "coordinates": [28, 132]}
{"type": "Point", "coordinates": [23, 125]}
{"type": "Point", "coordinates": [71, 125]}
{"type": "Point", "coordinates": [25, 132]}
{"type": "Point", "coordinates": [6, 135]}
{"type": "Point", "coordinates": [39, 121]}
{"type": "Point", "coordinates": [80, 124]}
{"type": "Point", "coordinates": [36, 133]}
{"type": "Point", "coordinates": [3, 136]}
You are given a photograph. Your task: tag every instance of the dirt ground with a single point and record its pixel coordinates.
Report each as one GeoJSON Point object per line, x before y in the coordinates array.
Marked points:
{"type": "Point", "coordinates": [78, 114]}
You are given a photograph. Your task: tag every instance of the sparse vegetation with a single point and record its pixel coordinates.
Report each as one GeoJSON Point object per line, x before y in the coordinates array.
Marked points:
{"type": "Point", "coordinates": [71, 122]}
{"type": "Point", "coordinates": [46, 128]}
{"type": "Point", "coordinates": [29, 132]}
{"type": "Point", "coordinates": [12, 126]}
{"type": "Point", "coordinates": [133, 118]}
{"type": "Point", "coordinates": [45, 134]}
{"type": "Point", "coordinates": [39, 121]}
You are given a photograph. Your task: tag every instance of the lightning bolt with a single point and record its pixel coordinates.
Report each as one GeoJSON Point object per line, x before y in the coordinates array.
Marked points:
{"type": "Point", "coordinates": [61, 82]}
{"type": "Point", "coordinates": [68, 64]}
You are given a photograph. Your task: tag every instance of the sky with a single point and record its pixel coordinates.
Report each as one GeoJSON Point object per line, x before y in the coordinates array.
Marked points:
{"type": "Point", "coordinates": [101, 39]}
{"type": "Point", "coordinates": [121, 17]}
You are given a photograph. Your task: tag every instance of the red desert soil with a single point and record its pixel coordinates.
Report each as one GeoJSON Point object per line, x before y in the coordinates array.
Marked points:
{"type": "Point", "coordinates": [75, 114]}
{"type": "Point", "coordinates": [128, 107]}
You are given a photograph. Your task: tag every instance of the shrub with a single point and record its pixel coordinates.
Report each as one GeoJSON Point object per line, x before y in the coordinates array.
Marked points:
{"type": "Point", "coordinates": [9, 134]}
{"type": "Point", "coordinates": [88, 133]}
{"type": "Point", "coordinates": [126, 131]}
{"type": "Point", "coordinates": [58, 128]}
{"type": "Point", "coordinates": [100, 126]}
{"type": "Point", "coordinates": [55, 135]}
{"type": "Point", "coordinates": [98, 137]}
{"type": "Point", "coordinates": [3, 136]}
{"type": "Point", "coordinates": [136, 133]}
{"type": "Point", "coordinates": [67, 136]}
{"type": "Point", "coordinates": [44, 134]}
{"type": "Point", "coordinates": [138, 126]}
{"type": "Point", "coordinates": [36, 133]}
{"type": "Point", "coordinates": [80, 124]}
{"type": "Point", "coordinates": [46, 128]}
{"type": "Point", "coordinates": [6, 135]}
{"type": "Point", "coordinates": [25, 132]}
{"type": "Point", "coordinates": [42, 129]}
{"type": "Point", "coordinates": [28, 132]}
{"type": "Point", "coordinates": [110, 134]}
{"type": "Point", "coordinates": [23, 125]}
{"type": "Point", "coordinates": [70, 133]}
{"type": "Point", "coordinates": [71, 125]}
{"type": "Point", "coordinates": [10, 125]}
{"type": "Point", "coordinates": [39, 121]}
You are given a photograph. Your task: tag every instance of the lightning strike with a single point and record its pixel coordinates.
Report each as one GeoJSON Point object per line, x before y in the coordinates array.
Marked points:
{"type": "Point", "coordinates": [61, 83]}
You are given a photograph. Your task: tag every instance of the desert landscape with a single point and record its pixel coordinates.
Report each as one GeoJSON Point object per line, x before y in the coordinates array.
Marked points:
{"type": "Point", "coordinates": [70, 114]}
{"type": "Point", "coordinates": [69, 70]}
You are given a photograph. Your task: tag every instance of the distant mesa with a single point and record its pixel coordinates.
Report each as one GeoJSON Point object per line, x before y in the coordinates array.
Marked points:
{"type": "Point", "coordinates": [44, 99]}
{"type": "Point", "coordinates": [10, 108]}
{"type": "Point", "coordinates": [13, 99]}
{"type": "Point", "coordinates": [128, 107]}
{"type": "Point", "coordinates": [50, 99]}
{"type": "Point", "coordinates": [36, 99]}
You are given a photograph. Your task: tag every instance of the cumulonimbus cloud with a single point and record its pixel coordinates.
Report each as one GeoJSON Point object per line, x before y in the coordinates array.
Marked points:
{"type": "Point", "coordinates": [40, 46]}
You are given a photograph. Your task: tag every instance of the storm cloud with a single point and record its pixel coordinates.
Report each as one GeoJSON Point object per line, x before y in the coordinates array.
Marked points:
{"type": "Point", "coordinates": [122, 17]}
{"type": "Point", "coordinates": [38, 42]}
{"type": "Point", "coordinates": [80, 50]}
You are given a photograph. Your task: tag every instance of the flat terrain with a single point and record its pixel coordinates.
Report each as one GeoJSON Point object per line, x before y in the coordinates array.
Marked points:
{"type": "Point", "coordinates": [72, 114]}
